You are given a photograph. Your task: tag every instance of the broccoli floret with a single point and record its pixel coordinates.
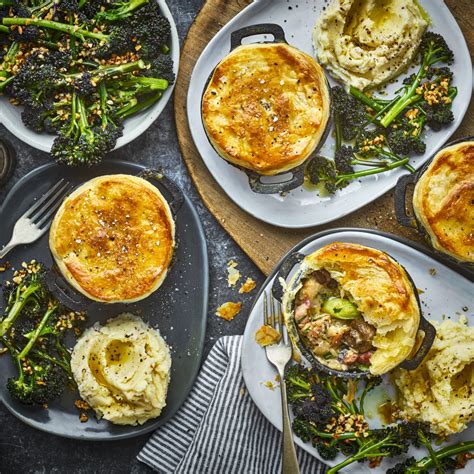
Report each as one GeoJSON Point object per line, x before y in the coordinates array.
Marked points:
{"type": "Point", "coordinates": [298, 383]}
{"type": "Point", "coordinates": [321, 170]}
{"type": "Point", "coordinates": [401, 467]}
{"type": "Point", "coordinates": [344, 158]}
{"type": "Point", "coordinates": [67, 6]}
{"type": "Point", "coordinates": [37, 77]}
{"type": "Point", "coordinates": [25, 295]}
{"type": "Point", "coordinates": [326, 450]}
{"type": "Point", "coordinates": [403, 137]}
{"type": "Point", "coordinates": [349, 114]}
{"type": "Point", "coordinates": [162, 67]}
{"type": "Point", "coordinates": [40, 117]}
{"type": "Point", "coordinates": [316, 409]}
{"type": "Point", "coordinates": [28, 32]}
{"type": "Point", "coordinates": [302, 430]}
{"type": "Point", "coordinates": [83, 85]}
{"type": "Point", "coordinates": [438, 116]}
{"type": "Point", "coordinates": [120, 10]}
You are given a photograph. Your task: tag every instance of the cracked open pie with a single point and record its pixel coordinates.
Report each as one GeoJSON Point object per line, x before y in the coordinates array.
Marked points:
{"type": "Point", "coordinates": [113, 238]}
{"type": "Point", "coordinates": [353, 308]}
{"type": "Point", "coordinates": [266, 107]}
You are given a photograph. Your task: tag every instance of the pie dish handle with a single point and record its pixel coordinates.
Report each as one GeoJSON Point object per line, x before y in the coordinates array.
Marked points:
{"type": "Point", "coordinates": [430, 334]}
{"type": "Point", "coordinates": [177, 197]}
{"type": "Point", "coordinates": [400, 200]}
{"type": "Point", "coordinates": [257, 186]}
{"type": "Point", "coordinates": [237, 36]}
{"type": "Point", "coordinates": [63, 291]}
{"type": "Point", "coordinates": [285, 268]}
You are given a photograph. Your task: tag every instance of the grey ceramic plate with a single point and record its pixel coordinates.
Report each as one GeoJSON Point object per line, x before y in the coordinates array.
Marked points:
{"type": "Point", "coordinates": [178, 309]}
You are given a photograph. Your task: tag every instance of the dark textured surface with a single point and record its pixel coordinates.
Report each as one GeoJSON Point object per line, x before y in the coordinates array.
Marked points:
{"type": "Point", "coordinates": [23, 449]}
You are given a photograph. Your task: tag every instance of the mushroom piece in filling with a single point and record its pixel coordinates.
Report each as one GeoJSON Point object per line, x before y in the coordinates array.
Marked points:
{"type": "Point", "coordinates": [331, 325]}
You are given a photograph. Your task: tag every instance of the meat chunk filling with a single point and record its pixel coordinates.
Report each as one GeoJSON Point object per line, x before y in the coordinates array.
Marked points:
{"type": "Point", "coordinates": [346, 340]}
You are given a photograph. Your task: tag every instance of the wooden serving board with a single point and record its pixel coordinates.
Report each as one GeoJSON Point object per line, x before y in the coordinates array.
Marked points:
{"type": "Point", "coordinates": [266, 244]}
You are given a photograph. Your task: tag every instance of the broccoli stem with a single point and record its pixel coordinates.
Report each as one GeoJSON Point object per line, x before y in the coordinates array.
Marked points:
{"type": "Point", "coordinates": [138, 106]}
{"type": "Point", "coordinates": [21, 299]}
{"type": "Point", "coordinates": [5, 76]}
{"type": "Point", "coordinates": [56, 25]}
{"type": "Point", "coordinates": [359, 174]}
{"type": "Point", "coordinates": [425, 442]}
{"type": "Point", "coordinates": [369, 450]}
{"type": "Point", "coordinates": [37, 332]}
{"type": "Point", "coordinates": [427, 462]}
{"type": "Point", "coordinates": [361, 97]}
{"type": "Point", "coordinates": [150, 83]}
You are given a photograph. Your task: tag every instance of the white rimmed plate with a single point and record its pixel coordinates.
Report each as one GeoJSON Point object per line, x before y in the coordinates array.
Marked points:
{"type": "Point", "coordinates": [10, 115]}
{"type": "Point", "coordinates": [445, 294]}
{"type": "Point", "coordinates": [301, 208]}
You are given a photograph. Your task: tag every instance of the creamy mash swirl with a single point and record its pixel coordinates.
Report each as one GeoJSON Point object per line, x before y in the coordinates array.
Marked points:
{"type": "Point", "coordinates": [440, 391]}
{"type": "Point", "coordinates": [122, 370]}
{"type": "Point", "coordinates": [367, 42]}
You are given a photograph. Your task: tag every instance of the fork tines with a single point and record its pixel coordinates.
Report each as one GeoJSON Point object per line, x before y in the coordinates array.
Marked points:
{"type": "Point", "coordinates": [273, 317]}
{"type": "Point", "coordinates": [48, 204]}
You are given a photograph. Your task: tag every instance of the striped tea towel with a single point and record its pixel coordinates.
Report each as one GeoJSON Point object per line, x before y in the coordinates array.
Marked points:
{"type": "Point", "coordinates": [219, 429]}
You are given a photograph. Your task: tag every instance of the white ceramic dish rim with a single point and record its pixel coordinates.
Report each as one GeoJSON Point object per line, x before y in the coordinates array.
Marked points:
{"type": "Point", "coordinates": [142, 122]}
{"type": "Point", "coordinates": [264, 212]}
{"type": "Point", "coordinates": [248, 336]}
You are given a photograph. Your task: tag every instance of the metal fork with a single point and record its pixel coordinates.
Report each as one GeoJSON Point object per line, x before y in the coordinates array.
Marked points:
{"type": "Point", "coordinates": [279, 355]}
{"type": "Point", "coordinates": [37, 219]}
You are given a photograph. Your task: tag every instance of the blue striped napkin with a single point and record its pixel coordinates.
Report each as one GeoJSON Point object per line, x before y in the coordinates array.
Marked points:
{"type": "Point", "coordinates": [219, 429]}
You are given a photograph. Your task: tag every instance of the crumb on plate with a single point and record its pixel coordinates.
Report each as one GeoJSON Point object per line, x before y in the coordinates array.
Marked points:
{"type": "Point", "coordinates": [248, 286]}
{"type": "Point", "coordinates": [228, 311]}
{"type": "Point", "coordinates": [233, 275]}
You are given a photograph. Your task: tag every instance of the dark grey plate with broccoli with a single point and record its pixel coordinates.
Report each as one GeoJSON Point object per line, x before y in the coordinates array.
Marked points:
{"type": "Point", "coordinates": [178, 309]}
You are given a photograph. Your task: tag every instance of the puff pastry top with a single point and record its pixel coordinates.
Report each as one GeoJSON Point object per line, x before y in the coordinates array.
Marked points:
{"type": "Point", "coordinates": [444, 201]}
{"type": "Point", "coordinates": [113, 238]}
{"type": "Point", "coordinates": [266, 107]}
{"type": "Point", "coordinates": [382, 291]}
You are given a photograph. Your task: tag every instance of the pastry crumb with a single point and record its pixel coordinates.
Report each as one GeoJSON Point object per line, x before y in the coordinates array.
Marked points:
{"type": "Point", "coordinates": [229, 310]}
{"type": "Point", "coordinates": [267, 335]}
{"type": "Point", "coordinates": [82, 405]}
{"type": "Point", "coordinates": [233, 275]}
{"type": "Point", "coordinates": [248, 286]}
{"type": "Point", "coordinates": [270, 385]}
{"type": "Point", "coordinates": [83, 418]}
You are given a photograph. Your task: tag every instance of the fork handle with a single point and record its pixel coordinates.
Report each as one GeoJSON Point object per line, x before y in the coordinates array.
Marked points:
{"type": "Point", "coordinates": [289, 459]}
{"type": "Point", "coordinates": [7, 249]}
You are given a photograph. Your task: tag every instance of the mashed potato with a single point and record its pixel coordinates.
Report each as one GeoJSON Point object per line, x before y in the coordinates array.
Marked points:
{"type": "Point", "coordinates": [440, 391]}
{"type": "Point", "coordinates": [122, 370]}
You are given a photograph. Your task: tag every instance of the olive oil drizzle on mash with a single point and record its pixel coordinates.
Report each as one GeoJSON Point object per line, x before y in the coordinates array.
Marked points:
{"type": "Point", "coordinates": [122, 370]}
